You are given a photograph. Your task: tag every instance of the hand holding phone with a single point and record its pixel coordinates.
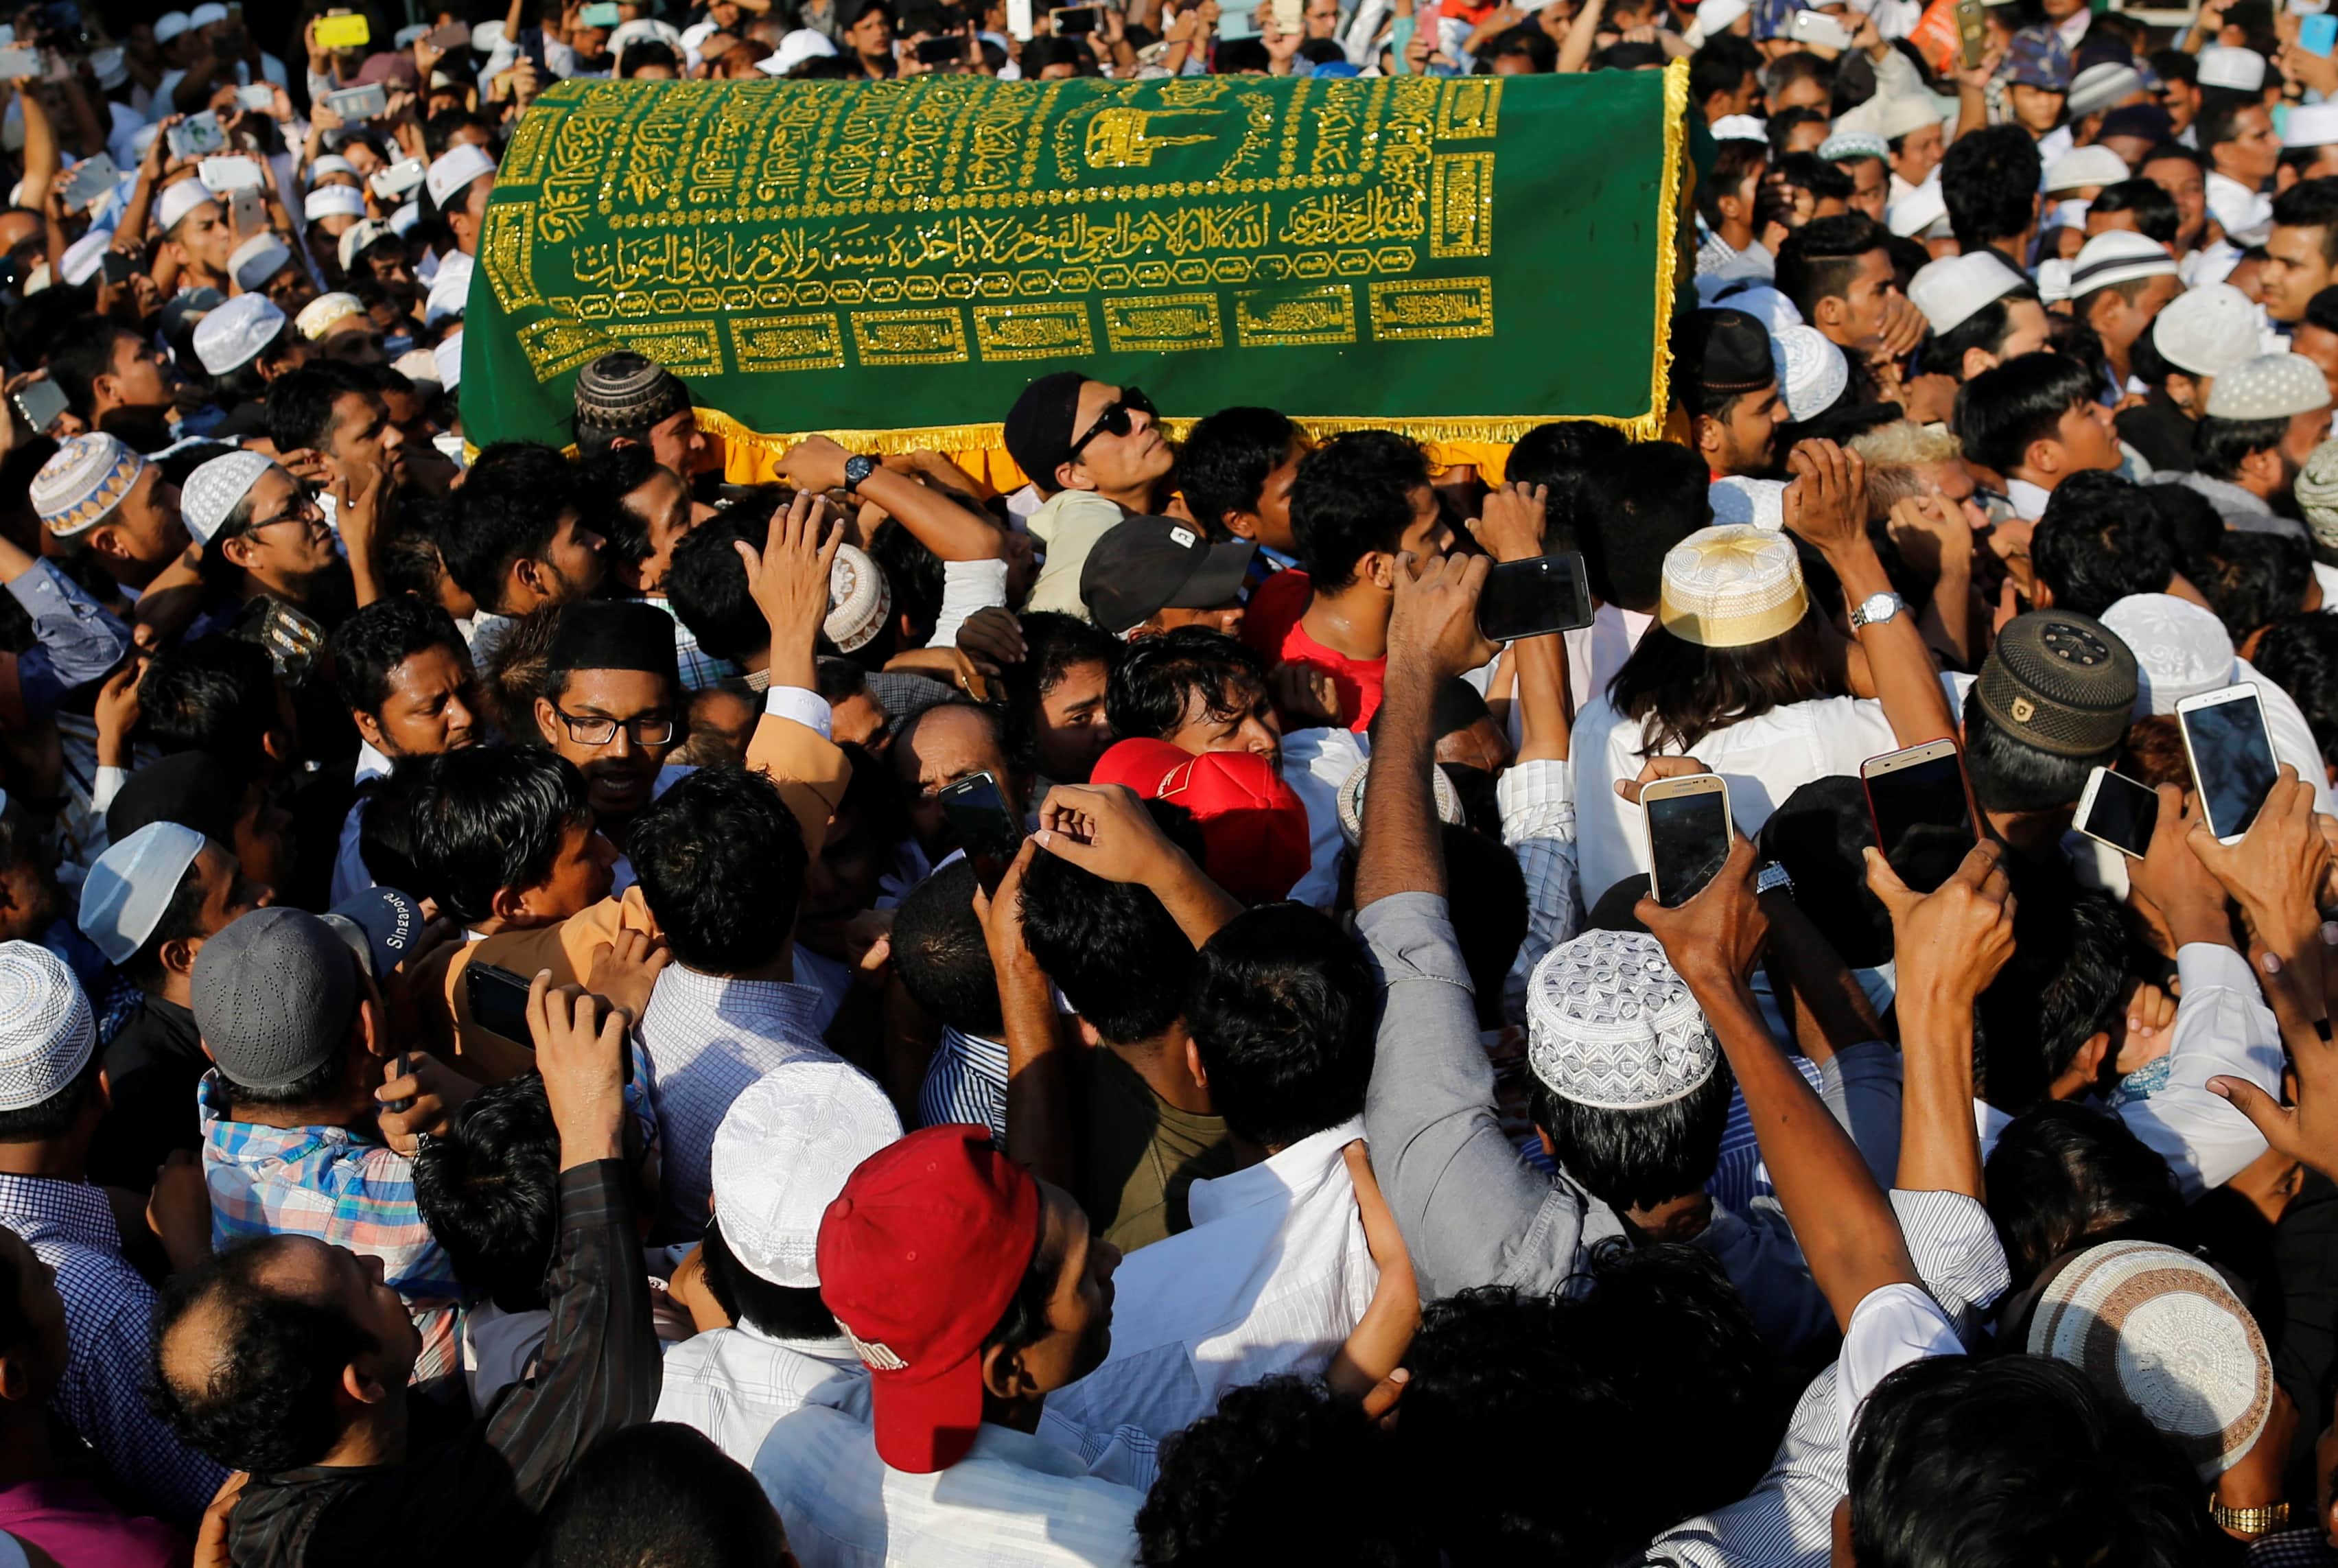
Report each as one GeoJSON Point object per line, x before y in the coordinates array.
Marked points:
{"type": "Point", "coordinates": [259, 98]}
{"type": "Point", "coordinates": [1819, 30]}
{"type": "Point", "coordinates": [90, 181]}
{"type": "Point", "coordinates": [196, 136]}
{"type": "Point", "coordinates": [1073, 21]}
{"type": "Point", "coordinates": [1688, 835]}
{"type": "Point", "coordinates": [39, 405]}
{"type": "Point", "coordinates": [2316, 35]}
{"type": "Point", "coordinates": [16, 64]}
{"type": "Point", "coordinates": [226, 175]}
{"type": "Point", "coordinates": [1922, 811]}
{"type": "Point", "coordinates": [601, 14]}
{"type": "Point", "coordinates": [989, 832]}
{"type": "Point", "coordinates": [2230, 753]}
{"type": "Point", "coordinates": [948, 49]}
{"type": "Point", "coordinates": [342, 30]}
{"type": "Point", "coordinates": [353, 105]}
{"type": "Point", "coordinates": [2118, 811]}
{"type": "Point", "coordinates": [1534, 597]}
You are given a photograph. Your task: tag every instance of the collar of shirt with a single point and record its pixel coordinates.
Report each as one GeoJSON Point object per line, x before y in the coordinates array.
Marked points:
{"type": "Point", "coordinates": [2028, 500]}
{"type": "Point", "coordinates": [73, 1212]}
{"type": "Point", "coordinates": [371, 763]}
{"type": "Point", "coordinates": [234, 1142]}
{"type": "Point", "coordinates": [1287, 1177]}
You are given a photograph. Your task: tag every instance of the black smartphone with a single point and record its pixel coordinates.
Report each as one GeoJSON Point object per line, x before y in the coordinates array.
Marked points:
{"type": "Point", "coordinates": [941, 51]}
{"type": "Point", "coordinates": [2231, 756]}
{"type": "Point", "coordinates": [989, 832]}
{"type": "Point", "coordinates": [1071, 21]}
{"type": "Point", "coordinates": [117, 268]}
{"type": "Point", "coordinates": [1922, 811]}
{"type": "Point", "coordinates": [1688, 835]}
{"type": "Point", "coordinates": [1533, 597]}
{"type": "Point", "coordinates": [499, 1007]}
{"type": "Point", "coordinates": [2118, 811]}
{"type": "Point", "coordinates": [10, 273]}
{"type": "Point", "coordinates": [39, 404]}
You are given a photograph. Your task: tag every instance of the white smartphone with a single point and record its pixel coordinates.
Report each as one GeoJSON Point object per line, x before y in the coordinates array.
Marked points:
{"type": "Point", "coordinates": [260, 97]}
{"type": "Point", "coordinates": [399, 181]}
{"type": "Point", "coordinates": [2231, 755]}
{"type": "Point", "coordinates": [2118, 812]}
{"type": "Point", "coordinates": [1688, 835]}
{"type": "Point", "coordinates": [196, 136]}
{"type": "Point", "coordinates": [228, 174]}
{"type": "Point", "coordinates": [1816, 27]}
{"type": "Point", "coordinates": [1020, 20]}
{"type": "Point", "coordinates": [17, 64]}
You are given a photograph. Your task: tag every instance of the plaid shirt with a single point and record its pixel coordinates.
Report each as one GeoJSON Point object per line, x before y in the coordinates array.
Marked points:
{"type": "Point", "coordinates": [328, 1183]}
{"type": "Point", "coordinates": [109, 1331]}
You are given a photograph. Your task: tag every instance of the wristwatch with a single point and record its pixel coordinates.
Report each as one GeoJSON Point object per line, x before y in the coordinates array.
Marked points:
{"type": "Point", "coordinates": [1875, 610]}
{"type": "Point", "coordinates": [2252, 1522]}
{"type": "Point", "coordinates": [856, 468]}
{"type": "Point", "coordinates": [1770, 877]}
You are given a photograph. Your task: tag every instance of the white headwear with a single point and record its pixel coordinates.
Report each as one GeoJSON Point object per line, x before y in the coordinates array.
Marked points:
{"type": "Point", "coordinates": [797, 47]}
{"type": "Point", "coordinates": [332, 202]}
{"type": "Point", "coordinates": [1757, 502]}
{"type": "Point", "coordinates": [449, 291]}
{"type": "Point", "coordinates": [1763, 303]}
{"type": "Point", "coordinates": [2310, 125]}
{"type": "Point", "coordinates": [1811, 371]}
{"type": "Point", "coordinates": [86, 255]}
{"type": "Point", "coordinates": [1918, 210]}
{"type": "Point", "coordinates": [168, 25]}
{"type": "Point", "coordinates": [2066, 215]}
{"type": "Point", "coordinates": [319, 315]}
{"type": "Point", "coordinates": [419, 366]}
{"type": "Point", "coordinates": [133, 883]}
{"type": "Point", "coordinates": [357, 236]}
{"type": "Point", "coordinates": [331, 163]}
{"type": "Point", "coordinates": [1740, 128]}
{"type": "Point", "coordinates": [452, 170]}
{"type": "Point", "coordinates": [2084, 166]}
{"type": "Point", "coordinates": [2269, 386]}
{"type": "Point", "coordinates": [2100, 85]}
{"type": "Point", "coordinates": [781, 1155]}
{"type": "Point", "coordinates": [1901, 114]}
{"type": "Point", "coordinates": [2053, 281]}
{"type": "Point", "coordinates": [1610, 1025]}
{"type": "Point", "coordinates": [2208, 330]}
{"type": "Point", "coordinates": [177, 201]}
{"type": "Point", "coordinates": [1950, 291]}
{"type": "Point", "coordinates": [2181, 649]}
{"type": "Point", "coordinates": [643, 30]}
{"type": "Point", "coordinates": [206, 13]}
{"type": "Point", "coordinates": [83, 481]}
{"type": "Point", "coordinates": [2117, 256]}
{"type": "Point", "coordinates": [258, 260]}
{"type": "Point", "coordinates": [2242, 70]}
{"type": "Point", "coordinates": [216, 488]}
{"type": "Point", "coordinates": [1715, 17]}
{"type": "Point", "coordinates": [46, 1032]}
{"type": "Point", "coordinates": [2318, 493]}
{"type": "Point", "coordinates": [448, 357]}
{"type": "Point", "coordinates": [859, 599]}
{"type": "Point", "coordinates": [236, 332]}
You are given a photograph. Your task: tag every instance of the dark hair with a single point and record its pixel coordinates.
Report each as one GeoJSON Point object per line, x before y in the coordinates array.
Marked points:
{"type": "Point", "coordinates": [2253, 580]}
{"type": "Point", "coordinates": [1527, 40]}
{"type": "Point", "coordinates": [2065, 984]}
{"type": "Point", "coordinates": [216, 694]}
{"type": "Point", "coordinates": [2176, 152]}
{"type": "Point", "coordinates": [916, 576]}
{"type": "Point", "coordinates": [1786, 121]}
{"type": "Point", "coordinates": [1159, 677]}
{"type": "Point", "coordinates": [2218, 121]}
{"type": "Point", "coordinates": [272, 1369]}
{"type": "Point", "coordinates": [1809, 171]}
{"type": "Point", "coordinates": [1820, 259]}
{"type": "Point", "coordinates": [2322, 310]}
{"type": "Point", "coordinates": [82, 352]}
{"type": "Point", "coordinates": [1989, 178]}
{"type": "Point", "coordinates": [941, 955]}
{"type": "Point", "coordinates": [1639, 1159]}
{"type": "Point", "coordinates": [2098, 542]}
{"type": "Point", "coordinates": [722, 865]}
{"type": "Point", "coordinates": [1957, 1461]}
{"type": "Point", "coordinates": [367, 648]}
{"type": "Point", "coordinates": [1283, 1011]}
{"type": "Point", "coordinates": [660, 1491]}
{"type": "Point", "coordinates": [439, 131]}
{"type": "Point", "coordinates": [646, 52]}
{"type": "Point", "coordinates": [1223, 466]}
{"type": "Point", "coordinates": [1652, 495]}
{"type": "Point", "coordinates": [1681, 692]}
{"type": "Point", "coordinates": [489, 1189]}
{"type": "Point", "coordinates": [1054, 645]}
{"type": "Point", "coordinates": [2300, 654]}
{"type": "Point", "coordinates": [1801, 65]}
{"type": "Point", "coordinates": [2219, 446]}
{"type": "Point", "coordinates": [605, 479]}
{"type": "Point", "coordinates": [300, 402]}
{"type": "Point", "coordinates": [706, 583]}
{"type": "Point", "coordinates": [1986, 329]}
{"type": "Point", "coordinates": [2003, 409]}
{"type": "Point", "coordinates": [1733, 160]}
{"type": "Point", "coordinates": [182, 920]}
{"type": "Point", "coordinates": [781, 1312]}
{"type": "Point", "coordinates": [2154, 210]}
{"type": "Point", "coordinates": [2066, 1175]}
{"type": "Point", "coordinates": [2190, 520]}
{"type": "Point", "coordinates": [1353, 496]}
{"type": "Point", "coordinates": [51, 1118]}
{"type": "Point", "coordinates": [1118, 956]}
{"type": "Point", "coordinates": [1562, 456]}
{"type": "Point", "coordinates": [2008, 774]}
{"type": "Point", "coordinates": [486, 818]}
{"type": "Point", "coordinates": [1721, 66]}
{"type": "Point", "coordinates": [511, 503]}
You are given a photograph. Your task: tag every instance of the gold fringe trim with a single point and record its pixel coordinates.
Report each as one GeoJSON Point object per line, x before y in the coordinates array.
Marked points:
{"type": "Point", "coordinates": [1668, 238]}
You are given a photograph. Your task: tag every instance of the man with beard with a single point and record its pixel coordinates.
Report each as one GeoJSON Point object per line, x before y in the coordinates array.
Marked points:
{"type": "Point", "coordinates": [611, 705]}
{"type": "Point", "coordinates": [263, 534]}
{"type": "Point", "coordinates": [2263, 420]}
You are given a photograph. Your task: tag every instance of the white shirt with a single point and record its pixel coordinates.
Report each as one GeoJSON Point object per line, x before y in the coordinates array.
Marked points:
{"type": "Point", "coordinates": [1594, 652]}
{"type": "Point", "coordinates": [732, 1384]}
{"type": "Point", "coordinates": [2028, 500]}
{"type": "Point", "coordinates": [966, 586]}
{"type": "Point", "coordinates": [1273, 1276]}
{"type": "Point", "coordinates": [1014, 1499]}
{"type": "Point", "coordinates": [1315, 763]}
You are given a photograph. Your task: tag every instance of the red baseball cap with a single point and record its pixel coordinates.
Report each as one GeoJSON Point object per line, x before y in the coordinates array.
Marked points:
{"type": "Point", "coordinates": [1254, 835]}
{"type": "Point", "coordinates": [919, 1257]}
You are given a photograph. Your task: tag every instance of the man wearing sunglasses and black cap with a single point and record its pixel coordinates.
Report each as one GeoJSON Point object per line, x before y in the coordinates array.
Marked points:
{"type": "Point", "coordinates": [1096, 453]}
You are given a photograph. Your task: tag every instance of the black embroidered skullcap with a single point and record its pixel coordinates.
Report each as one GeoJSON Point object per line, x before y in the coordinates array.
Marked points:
{"type": "Point", "coordinates": [627, 393]}
{"type": "Point", "coordinates": [1729, 351]}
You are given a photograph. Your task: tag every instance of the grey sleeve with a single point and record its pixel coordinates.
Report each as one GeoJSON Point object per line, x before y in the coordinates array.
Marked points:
{"type": "Point", "coordinates": [1471, 1211]}
{"type": "Point", "coordinates": [82, 640]}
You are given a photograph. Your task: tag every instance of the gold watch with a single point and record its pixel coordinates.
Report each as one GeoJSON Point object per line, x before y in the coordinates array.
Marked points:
{"type": "Point", "coordinates": [2250, 1522]}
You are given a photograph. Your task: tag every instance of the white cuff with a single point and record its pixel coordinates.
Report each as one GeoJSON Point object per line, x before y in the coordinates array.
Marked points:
{"type": "Point", "coordinates": [106, 785]}
{"type": "Point", "coordinates": [806, 707]}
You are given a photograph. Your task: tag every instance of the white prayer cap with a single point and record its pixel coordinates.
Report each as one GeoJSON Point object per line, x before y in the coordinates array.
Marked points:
{"type": "Point", "coordinates": [1349, 801]}
{"type": "Point", "coordinates": [797, 47]}
{"type": "Point", "coordinates": [2318, 493]}
{"type": "Point", "coordinates": [1715, 17]}
{"type": "Point", "coordinates": [46, 1032]}
{"type": "Point", "coordinates": [2269, 386]}
{"type": "Point", "coordinates": [216, 488]}
{"type": "Point", "coordinates": [331, 163]}
{"type": "Point", "coordinates": [1842, 145]}
{"type": "Point", "coordinates": [2100, 85]}
{"type": "Point", "coordinates": [782, 1154]}
{"type": "Point", "coordinates": [405, 36]}
{"type": "Point", "coordinates": [419, 366]}
{"type": "Point", "coordinates": [454, 170]}
{"type": "Point", "coordinates": [2066, 215]}
{"type": "Point", "coordinates": [2180, 647]}
{"type": "Point", "coordinates": [1951, 290]}
{"type": "Point", "coordinates": [449, 291]}
{"type": "Point", "coordinates": [1901, 114]}
{"type": "Point", "coordinates": [2053, 281]}
{"type": "Point", "coordinates": [258, 260]}
{"type": "Point", "coordinates": [318, 316]}
{"type": "Point", "coordinates": [1757, 502]}
{"type": "Point", "coordinates": [859, 599]}
{"type": "Point", "coordinates": [332, 202]}
{"type": "Point", "coordinates": [1731, 587]}
{"type": "Point", "coordinates": [2208, 330]}
{"type": "Point", "coordinates": [111, 69]}
{"type": "Point", "coordinates": [1740, 128]}
{"type": "Point", "coordinates": [487, 37]}
{"type": "Point", "coordinates": [236, 332]}
{"type": "Point", "coordinates": [2084, 166]}
{"type": "Point", "coordinates": [168, 25]}
{"type": "Point", "coordinates": [82, 481]}
{"type": "Point", "coordinates": [643, 30]}
{"type": "Point", "coordinates": [1610, 1025]}
{"type": "Point", "coordinates": [133, 883]}
{"type": "Point", "coordinates": [1763, 303]}
{"type": "Point", "coordinates": [448, 356]}
{"type": "Point", "coordinates": [359, 235]}
{"type": "Point", "coordinates": [177, 201]}
{"type": "Point", "coordinates": [1918, 210]}
{"type": "Point", "coordinates": [84, 255]}
{"type": "Point", "coordinates": [1811, 371]}
{"type": "Point", "coordinates": [2310, 125]}
{"type": "Point", "coordinates": [402, 221]}
{"type": "Point", "coordinates": [2242, 70]}
{"type": "Point", "coordinates": [2117, 256]}
{"type": "Point", "coordinates": [203, 16]}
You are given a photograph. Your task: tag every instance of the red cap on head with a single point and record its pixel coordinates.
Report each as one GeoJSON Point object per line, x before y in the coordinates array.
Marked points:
{"type": "Point", "coordinates": [1254, 835]}
{"type": "Point", "coordinates": [919, 1257]}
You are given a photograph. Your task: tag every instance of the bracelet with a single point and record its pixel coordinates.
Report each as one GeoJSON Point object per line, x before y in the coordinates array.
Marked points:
{"type": "Point", "coordinates": [2250, 1522]}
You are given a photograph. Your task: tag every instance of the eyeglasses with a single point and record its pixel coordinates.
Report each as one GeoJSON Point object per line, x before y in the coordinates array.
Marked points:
{"type": "Point", "coordinates": [1115, 420]}
{"type": "Point", "coordinates": [646, 730]}
{"type": "Point", "coordinates": [303, 507]}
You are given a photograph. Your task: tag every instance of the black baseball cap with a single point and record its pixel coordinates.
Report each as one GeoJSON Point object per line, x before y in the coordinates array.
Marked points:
{"type": "Point", "coordinates": [1144, 565]}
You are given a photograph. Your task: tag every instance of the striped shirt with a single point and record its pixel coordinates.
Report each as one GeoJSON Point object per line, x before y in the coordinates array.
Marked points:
{"type": "Point", "coordinates": [966, 1083]}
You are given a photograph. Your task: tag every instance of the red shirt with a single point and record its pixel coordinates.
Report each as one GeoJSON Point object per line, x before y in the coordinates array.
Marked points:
{"type": "Point", "coordinates": [1273, 624]}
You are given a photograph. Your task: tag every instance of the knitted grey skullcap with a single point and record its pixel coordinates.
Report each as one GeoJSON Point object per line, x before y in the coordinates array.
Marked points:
{"type": "Point", "coordinates": [2059, 681]}
{"type": "Point", "coordinates": [273, 994]}
{"type": "Point", "coordinates": [622, 391]}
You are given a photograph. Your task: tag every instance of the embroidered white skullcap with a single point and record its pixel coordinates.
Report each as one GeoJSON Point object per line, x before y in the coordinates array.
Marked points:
{"type": "Point", "coordinates": [2084, 166]}
{"type": "Point", "coordinates": [419, 366]}
{"type": "Point", "coordinates": [1952, 290]}
{"type": "Point", "coordinates": [332, 202]}
{"type": "Point", "coordinates": [2269, 386]}
{"type": "Point", "coordinates": [168, 25]}
{"type": "Point", "coordinates": [1349, 801]}
{"type": "Point", "coordinates": [127, 891]}
{"type": "Point", "coordinates": [797, 47]}
{"type": "Point", "coordinates": [2242, 70]}
{"type": "Point", "coordinates": [2053, 281]}
{"type": "Point", "coordinates": [258, 260]}
{"type": "Point", "coordinates": [46, 1032]}
{"type": "Point", "coordinates": [1811, 371]}
{"type": "Point", "coordinates": [781, 1155]}
{"type": "Point", "coordinates": [1918, 210]}
{"type": "Point", "coordinates": [455, 169]}
{"type": "Point", "coordinates": [450, 291]}
{"type": "Point", "coordinates": [318, 316]}
{"type": "Point", "coordinates": [2180, 647]}
{"type": "Point", "coordinates": [82, 481]}
{"type": "Point", "coordinates": [1611, 1025]}
{"type": "Point", "coordinates": [84, 256]}
{"type": "Point", "coordinates": [2208, 330]}
{"type": "Point", "coordinates": [214, 489]}
{"type": "Point", "coordinates": [858, 599]}
{"type": "Point", "coordinates": [2100, 85]}
{"type": "Point", "coordinates": [2117, 256]}
{"type": "Point", "coordinates": [2160, 1331]}
{"type": "Point", "coordinates": [448, 357]}
{"type": "Point", "coordinates": [203, 16]}
{"type": "Point", "coordinates": [2318, 493]}
{"type": "Point", "coordinates": [331, 163]}
{"type": "Point", "coordinates": [1842, 145]}
{"type": "Point", "coordinates": [177, 201]}
{"type": "Point", "coordinates": [236, 332]}
{"type": "Point", "coordinates": [1731, 586]}
{"type": "Point", "coordinates": [1763, 303]}
{"type": "Point", "coordinates": [1739, 499]}
{"type": "Point", "coordinates": [1740, 128]}
{"type": "Point", "coordinates": [357, 236]}
{"type": "Point", "coordinates": [2310, 125]}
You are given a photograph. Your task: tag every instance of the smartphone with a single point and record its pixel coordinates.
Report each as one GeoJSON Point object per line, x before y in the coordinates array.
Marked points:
{"type": "Point", "coordinates": [1818, 28]}
{"type": "Point", "coordinates": [1288, 17]}
{"type": "Point", "coordinates": [1688, 835]}
{"type": "Point", "coordinates": [196, 136]}
{"type": "Point", "coordinates": [1529, 598]}
{"type": "Point", "coordinates": [2315, 34]}
{"type": "Point", "coordinates": [1072, 21]}
{"type": "Point", "coordinates": [260, 98]}
{"type": "Point", "coordinates": [399, 181]}
{"type": "Point", "coordinates": [2118, 811]}
{"type": "Point", "coordinates": [226, 174]}
{"type": "Point", "coordinates": [1972, 37]}
{"type": "Point", "coordinates": [39, 404]}
{"type": "Point", "coordinates": [498, 1002]}
{"type": "Point", "coordinates": [1922, 810]}
{"type": "Point", "coordinates": [15, 65]}
{"type": "Point", "coordinates": [369, 102]}
{"type": "Point", "coordinates": [90, 181]}
{"type": "Point", "coordinates": [343, 31]}
{"type": "Point", "coordinates": [986, 830]}
{"type": "Point", "coordinates": [247, 213]}
{"type": "Point", "coordinates": [941, 51]}
{"type": "Point", "coordinates": [116, 267]}
{"type": "Point", "coordinates": [452, 36]}
{"type": "Point", "coordinates": [601, 14]}
{"type": "Point", "coordinates": [1020, 20]}
{"type": "Point", "coordinates": [2233, 769]}
{"type": "Point", "coordinates": [1234, 25]}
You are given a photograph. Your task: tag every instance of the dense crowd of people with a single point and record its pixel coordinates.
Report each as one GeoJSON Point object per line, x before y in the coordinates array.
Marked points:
{"type": "Point", "coordinates": [555, 1008]}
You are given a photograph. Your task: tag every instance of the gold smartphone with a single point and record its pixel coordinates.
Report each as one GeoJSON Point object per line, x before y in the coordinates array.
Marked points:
{"type": "Point", "coordinates": [1971, 37]}
{"type": "Point", "coordinates": [1922, 810]}
{"type": "Point", "coordinates": [1688, 835]}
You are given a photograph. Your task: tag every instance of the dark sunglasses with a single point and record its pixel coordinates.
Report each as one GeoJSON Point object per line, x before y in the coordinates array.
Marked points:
{"type": "Point", "coordinates": [1115, 420]}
